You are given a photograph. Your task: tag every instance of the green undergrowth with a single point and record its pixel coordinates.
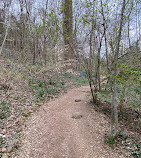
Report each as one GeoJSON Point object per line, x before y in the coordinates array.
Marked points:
{"type": "Point", "coordinates": [24, 88]}
{"type": "Point", "coordinates": [131, 95]}
{"type": "Point", "coordinates": [129, 114]}
{"type": "Point", "coordinates": [54, 86]}
{"type": "Point", "coordinates": [42, 89]}
{"type": "Point", "coordinates": [128, 143]}
{"type": "Point", "coordinates": [5, 110]}
{"type": "Point", "coordinates": [75, 80]}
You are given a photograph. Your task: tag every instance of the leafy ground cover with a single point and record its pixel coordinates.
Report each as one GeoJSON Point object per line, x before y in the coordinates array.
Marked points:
{"type": "Point", "coordinates": [24, 88]}
{"type": "Point", "coordinates": [129, 116]}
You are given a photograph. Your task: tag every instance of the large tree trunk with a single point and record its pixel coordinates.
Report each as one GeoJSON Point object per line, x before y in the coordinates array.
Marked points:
{"type": "Point", "coordinates": [68, 29]}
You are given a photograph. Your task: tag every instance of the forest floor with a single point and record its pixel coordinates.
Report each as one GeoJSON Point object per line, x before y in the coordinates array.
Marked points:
{"type": "Point", "coordinates": [57, 131]}
{"type": "Point", "coordinates": [43, 114]}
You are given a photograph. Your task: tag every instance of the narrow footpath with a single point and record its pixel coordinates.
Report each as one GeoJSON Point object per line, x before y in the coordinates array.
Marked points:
{"type": "Point", "coordinates": [54, 131]}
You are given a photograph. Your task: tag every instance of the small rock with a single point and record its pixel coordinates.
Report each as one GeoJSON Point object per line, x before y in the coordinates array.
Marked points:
{"type": "Point", "coordinates": [4, 156]}
{"type": "Point", "coordinates": [77, 100]}
{"type": "Point", "coordinates": [10, 148]}
{"type": "Point", "coordinates": [3, 149]}
{"type": "Point", "coordinates": [15, 136]}
{"type": "Point", "coordinates": [2, 135]}
{"type": "Point", "coordinates": [3, 131]}
{"type": "Point", "coordinates": [12, 143]}
{"type": "Point", "coordinates": [76, 115]}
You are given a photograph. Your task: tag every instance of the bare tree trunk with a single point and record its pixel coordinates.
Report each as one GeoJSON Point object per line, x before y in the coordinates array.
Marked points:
{"type": "Point", "coordinates": [45, 51]}
{"type": "Point", "coordinates": [129, 26]}
{"type": "Point", "coordinates": [136, 22]}
{"type": "Point", "coordinates": [22, 28]}
{"type": "Point", "coordinates": [114, 115]}
{"type": "Point", "coordinates": [129, 33]}
{"type": "Point", "coordinates": [106, 47]}
{"type": "Point", "coordinates": [122, 98]}
{"type": "Point", "coordinates": [6, 8]}
{"type": "Point", "coordinates": [35, 50]}
{"type": "Point", "coordinates": [92, 85]}
{"type": "Point", "coordinates": [92, 34]}
{"type": "Point", "coordinates": [90, 42]}
{"type": "Point", "coordinates": [45, 37]}
{"type": "Point", "coordinates": [4, 38]}
{"type": "Point", "coordinates": [98, 63]}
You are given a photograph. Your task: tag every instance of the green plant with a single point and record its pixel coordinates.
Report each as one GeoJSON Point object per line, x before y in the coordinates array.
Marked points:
{"type": "Point", "coordinates": [137, 90]}
{"type": "Point", "coordinates": [136, 153]}
{"type": "Point", "coordinates": [131, 143]}
{"type": "Point", "coordinates": [52, 90]}
{"type": "Point", "coordinates": [41, 89]}
{"type": "Point", "coordinates": [124, 135]}
{"type": "Point", "coordinates": [5, 110]}
{"type": "Point", "coordinates": [40, 84]}
{"type": "Point", "coordinates": [38, 87]}
{"type": "Point", "coordinates": [1, 140]}
{"type": "Point", "coordinates": [136, 148]}
{"type": "Point", "coordinates": [69, 75]}
{"type": "Point", "coordinates": [52, 82]}
{"type": "Point", "coordinates": [41, 93]}
{"type": "Point", "coordinates": [81, 80]}
{"type": "Point", "coordinates": [105, 96]}
{"type": "Point", "coordinates": [111, 140]}
{"type": "Point", "coordinates": [60, 84]}
{"type": "Point", "coordinates": [27, 114]}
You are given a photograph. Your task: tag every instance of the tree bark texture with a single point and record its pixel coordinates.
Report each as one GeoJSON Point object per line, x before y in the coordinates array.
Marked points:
{"type": "Point", "coordinates": [68, 29]}
{"type": "Point", "coordinates": [114, 116]}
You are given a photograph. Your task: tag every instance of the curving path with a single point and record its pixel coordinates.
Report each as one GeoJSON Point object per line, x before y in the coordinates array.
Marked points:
{"type": "Point", "coordinates": [53, 133]}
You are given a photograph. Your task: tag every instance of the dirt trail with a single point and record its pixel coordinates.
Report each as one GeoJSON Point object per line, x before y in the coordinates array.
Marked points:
{"type": "Point", "coordinates": [53, 133]}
